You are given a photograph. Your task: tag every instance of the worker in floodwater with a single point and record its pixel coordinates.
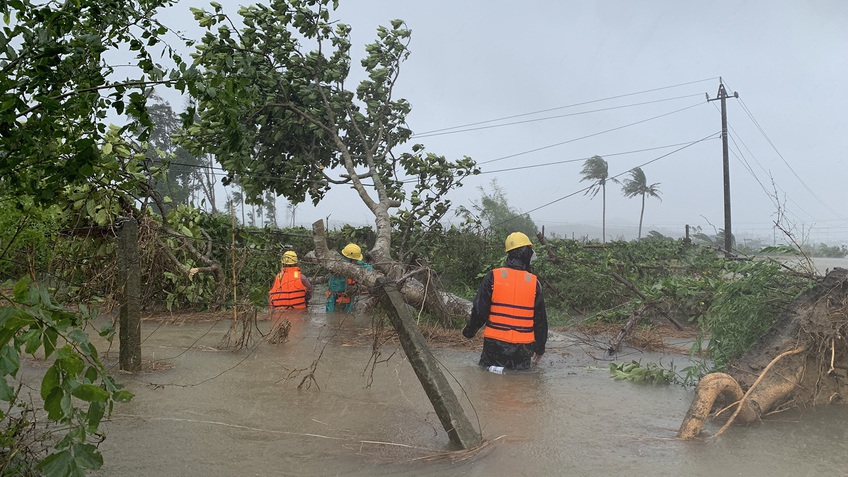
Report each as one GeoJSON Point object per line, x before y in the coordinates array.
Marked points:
{"type": "Point", "coordinates": [510, 305]}
{"type": "Point", "coordinates": [342, 290]}
{"type": "Point", "coordinates": [291, 289]}
{"type": "Point", "coordinates": [289, 296]}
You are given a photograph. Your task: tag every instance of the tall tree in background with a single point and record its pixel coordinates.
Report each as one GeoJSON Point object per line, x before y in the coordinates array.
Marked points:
{"type": "Point", "coordinates": [495, 214]}
{"type": "Point", "coordinates": [238, 202]}
{"type": "Point", "coordinates": [637, 185]}
{"type": "Point", "coordinates": [181, 177]}
{"type": "Point", "coordinates": [270, 202]}
{"type": "Point", "coordinates": [275, 108]}
{"type": "Point", "coordinates": [205, 176]}
{"type": "Point", "coordinates": [595, 169]}
{"type": "Point", "coordinates": [57, 88]}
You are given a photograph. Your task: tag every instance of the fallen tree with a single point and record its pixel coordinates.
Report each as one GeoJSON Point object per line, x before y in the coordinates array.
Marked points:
{"type": "Point", "coordinates": [415, 292]}
{"type": "Point", "coordinates": [801, 361]}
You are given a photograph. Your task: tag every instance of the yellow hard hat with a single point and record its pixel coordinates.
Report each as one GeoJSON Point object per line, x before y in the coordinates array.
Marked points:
{"type": "Point", "coordinates": [352, 251]}
{"type": "Point", "coordinates": [289, 258]}
{"type": "Point", "coordinates": [517, 239]}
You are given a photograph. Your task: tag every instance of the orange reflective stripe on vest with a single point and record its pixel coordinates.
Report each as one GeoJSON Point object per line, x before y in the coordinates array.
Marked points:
{"type": "Point", "coordinates": [288, 290]}
{"type": "Point", "coordinates": [511, 315]}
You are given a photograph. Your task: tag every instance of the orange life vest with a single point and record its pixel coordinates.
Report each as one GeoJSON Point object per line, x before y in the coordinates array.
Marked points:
{"type": "Point", "coordinates": [511, 315]}
{"type": "Point", "coordinates": [288, 290]}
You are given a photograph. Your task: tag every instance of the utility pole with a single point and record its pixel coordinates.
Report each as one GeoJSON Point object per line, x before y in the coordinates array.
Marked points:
{"type": "Point", "coordinates": [722, 95]}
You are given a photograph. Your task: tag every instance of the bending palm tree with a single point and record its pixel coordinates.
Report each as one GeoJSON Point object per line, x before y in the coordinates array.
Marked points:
{"type": "Point", "coordinates": [595, 169]}
{"type": "Point", "coordinates": [638, 185]}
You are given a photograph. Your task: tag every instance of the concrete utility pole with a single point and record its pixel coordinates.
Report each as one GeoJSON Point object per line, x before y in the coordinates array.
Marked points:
{"type": "Point", "coordinates": [722, 95]}
{"type": "Point", "coordinates": [460, 430]}
{"type": "Point", "coordinates": [129, 281]}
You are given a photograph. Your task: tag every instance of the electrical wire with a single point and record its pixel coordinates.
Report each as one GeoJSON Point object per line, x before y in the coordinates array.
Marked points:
{"type": "Point", "coordinates": [785, 162]}
{"type": "Point", "coordinates": [406, 180]}
{"type": "Point", "coordinates": [791, 169]}
{"type": "Point", "coordinates": [583, 159]}
{"type": "Point", "coordinates": [569, 106]}
{"type": "Point", "coordinates": [456, 131]}
{"type": "Point", "coordinates": [711, 136]}
{"type": "Point", "coordinates": [617, 128]}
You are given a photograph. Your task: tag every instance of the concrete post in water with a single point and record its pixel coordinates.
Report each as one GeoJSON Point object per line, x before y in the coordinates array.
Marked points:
{"type": "Point", "coordinates": [129, 283]}
{"type": "Point", "coordinates": [438, 390]}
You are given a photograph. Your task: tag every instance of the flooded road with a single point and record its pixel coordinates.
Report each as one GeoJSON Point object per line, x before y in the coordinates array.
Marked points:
{"type": "Point", "coordinates": [224, 413]}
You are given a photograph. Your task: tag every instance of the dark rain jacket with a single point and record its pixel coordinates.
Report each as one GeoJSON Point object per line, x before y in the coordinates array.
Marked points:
{"type": "Point", "coordinates": [500, 353]}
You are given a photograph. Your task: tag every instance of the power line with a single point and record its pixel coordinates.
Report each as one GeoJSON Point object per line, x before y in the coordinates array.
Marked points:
{"type": "Point", "coordinates": [567, 106]}
{"type": "Point", "coordinates": [711, 136]}
{"type": "Point", "coordinates": [405, 180]}
{"type": "Point", "coordinates": [810, 190]}
{"type": "Point", "coordinates": [589, 135]}
{"type": "Point", "coordinates": [212, 169]}
{"type": "Point", "coordinates": [456, 131]}
{"type": "Point", "coordinates": [774, 200]}
{"type": "Point", "coordinates": [583, 159]}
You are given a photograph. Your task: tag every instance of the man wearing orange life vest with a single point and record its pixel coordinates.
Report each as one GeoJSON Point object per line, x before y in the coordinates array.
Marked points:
{"type": "Point", "coordinates": [291, 289]}
{"type": "Point", "coordinates": [510, 305]}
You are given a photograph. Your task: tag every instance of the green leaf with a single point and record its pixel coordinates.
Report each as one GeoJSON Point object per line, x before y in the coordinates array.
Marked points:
{"type": "Point", "coordinates": [96, 411]}
{"type": "Point", "coordinates": [49, 340]}
{"type": "Point", "coordinates": [91, 374]}
{"type": "Point", "coordinates": [10, 362]}
{"type": "Point", "coordinates": [91, 393]}
{"type": "Point", "coordinates": [71, 363]}
{"type": "Point", "coordinates": [53, 403]}
{"type": "Point", "coordinates": [67, 405]}
{"type": "Point", "coordinates": [78, 336]}
{"type": "Point", "coordinates": [58, 464]}
{"type": "Point", "coordinates": [6, 335]}
{"type": "Point", "coordinates": [21, 289]}
{"type": "Point", "coordinates": [7, 393]}
{"type": "Point", "coordinates": [49, 381]}
{"type": "Point", "coordinates": [32, 338]}
{"type": "Point", "coordinates": [91, 207]}
{"type": "Point", "coordinates": [87, 456]}
{"type": "Point", "coordinates": [122, 396]}
{"type": "Point", "coordinates": [107, 329]}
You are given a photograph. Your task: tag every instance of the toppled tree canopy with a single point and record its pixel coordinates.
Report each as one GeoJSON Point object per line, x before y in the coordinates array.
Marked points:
{"type": "Point", "coordinates": [802, 360]}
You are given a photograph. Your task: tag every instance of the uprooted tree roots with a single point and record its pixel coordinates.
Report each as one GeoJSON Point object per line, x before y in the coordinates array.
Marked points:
{"type": "Point", "coordinates": [802, 360]}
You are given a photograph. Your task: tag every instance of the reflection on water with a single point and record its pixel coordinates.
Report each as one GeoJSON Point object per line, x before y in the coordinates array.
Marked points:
{"type": "Point", "coordinates": [825, 264]}
{"type": "Point", "coordinates": [223, 413]}
{"type": "Point", "coordinates": [822, 265]}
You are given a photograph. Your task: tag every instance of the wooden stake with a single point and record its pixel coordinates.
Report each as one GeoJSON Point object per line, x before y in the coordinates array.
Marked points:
{"type": "Point", "coordinates": [233, 249]}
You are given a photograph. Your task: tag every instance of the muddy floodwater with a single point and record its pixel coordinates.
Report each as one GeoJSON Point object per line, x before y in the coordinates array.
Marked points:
{"type": "Point", "coordinates": [219, 412]}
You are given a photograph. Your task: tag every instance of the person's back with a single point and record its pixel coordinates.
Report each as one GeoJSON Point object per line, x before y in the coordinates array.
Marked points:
{"type": "Point", "coordinates": [509, 304]}
{"type": "Point", "coordinates": [343, 290]}
{"type": "Point", "coordinates": [291, 289]}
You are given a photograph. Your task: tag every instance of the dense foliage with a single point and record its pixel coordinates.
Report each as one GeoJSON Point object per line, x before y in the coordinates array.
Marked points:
{"type": "Point", "coordinates": [60, 161]}
{"type": "Point", "coordinates": [283, 108]}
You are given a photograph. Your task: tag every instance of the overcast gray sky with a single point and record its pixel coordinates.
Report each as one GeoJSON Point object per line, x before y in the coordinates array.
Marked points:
{"type": "Point", "coordinates": [616, 77]}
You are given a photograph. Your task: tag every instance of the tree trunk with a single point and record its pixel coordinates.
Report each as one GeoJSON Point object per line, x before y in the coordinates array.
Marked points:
{"type": "Point", "coordinates": [413, 291]}
{"type": "Point", "coordinates": [603, 213]}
